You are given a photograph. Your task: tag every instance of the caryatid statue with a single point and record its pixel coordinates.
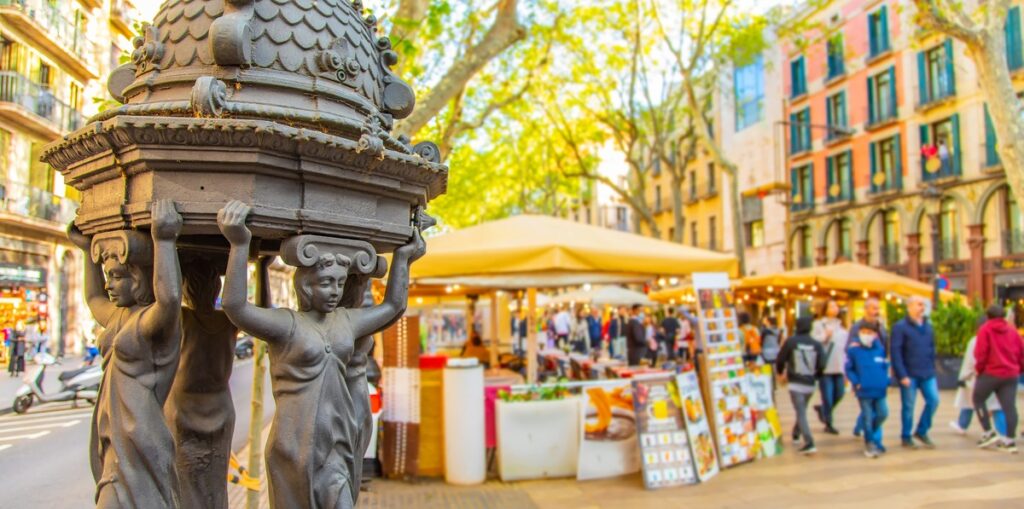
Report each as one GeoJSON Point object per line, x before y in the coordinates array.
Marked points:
{"type": "Point", "coordinates": [139, 305]}
{"type": "Point", "coordinates": [199, 411]}
{"type": "Point", "coordinates": [316, 440]}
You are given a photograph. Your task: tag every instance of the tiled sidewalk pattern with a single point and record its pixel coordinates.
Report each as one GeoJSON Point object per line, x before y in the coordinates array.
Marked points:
{"type": "Point", "coordinates": [954, 476]}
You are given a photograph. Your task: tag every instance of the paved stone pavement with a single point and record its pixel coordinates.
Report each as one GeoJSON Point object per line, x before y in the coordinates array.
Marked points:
{"type": "Point", "coordinates": [954, 476]}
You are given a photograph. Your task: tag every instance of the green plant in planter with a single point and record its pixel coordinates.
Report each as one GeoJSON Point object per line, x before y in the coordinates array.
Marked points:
{"type": "Point", "coordinates": [955, 324]}
{"type": "Point", "coordinates": [536, 393]}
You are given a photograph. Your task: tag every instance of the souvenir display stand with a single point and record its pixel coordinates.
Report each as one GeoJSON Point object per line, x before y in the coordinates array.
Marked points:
{"type": "Point", "coordinates": [723, 374]}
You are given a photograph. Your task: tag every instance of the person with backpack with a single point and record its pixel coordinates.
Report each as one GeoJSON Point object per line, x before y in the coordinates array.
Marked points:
{"type": "Point", "coordinates": [829, 331]}
{"type": "Point", "coordinates": [802, 360]}
{"type": "Point", "coordinates": [999, 361]}
{"type": "Point", "coordinates": [868, 372]}
{"type": "Point", "coordinates": [770, 340]}
{"type": "Point", "coordinates": [872, 316]}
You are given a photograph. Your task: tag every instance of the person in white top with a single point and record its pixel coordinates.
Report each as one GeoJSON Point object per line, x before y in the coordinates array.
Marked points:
{"type": "Point", "coordinates": [828, 330]}
{"type": "Point", "coordinates": [563, 326]}
{"type": "Point", "coordinates": [964, 395]}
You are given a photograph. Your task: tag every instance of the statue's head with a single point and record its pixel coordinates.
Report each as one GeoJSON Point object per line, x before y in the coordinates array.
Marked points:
{"type": "Point", "coordinates": [320, 286]}
{"type": "Point", "coordinates": [200, 284]}
{"type": "Point", "coordinates": [127, 285]}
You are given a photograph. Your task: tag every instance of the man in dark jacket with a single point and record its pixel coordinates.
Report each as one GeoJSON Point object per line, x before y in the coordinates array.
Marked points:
{"type": "Point", "coordinates": [636, 339]}
{"type": "Point", "coordinates": [802, 359]}
{"type": "Point", "coordinates": [617, 332]}
{"type": "Point", "coordinates": [999, 360]}
{"type": "Point", "coordinates": [913, 360]}
{"type": "Point", "coordinates": [594, 328]}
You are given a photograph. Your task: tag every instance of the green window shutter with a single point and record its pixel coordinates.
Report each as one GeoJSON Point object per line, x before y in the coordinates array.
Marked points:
{"type": "Point", "coordinates": [794, 188]}
{"type": "Point", "coordinates": [841, 114]}
{"type": "Point", "coordinates": [810, 185]}
{"type": "Point", "coordinates": [949, 65]}
{"type": "Point", "coordinates": [922, 78]}
{"type": "Point", "coordinates": [872, 117]}
{"type": "Point", "coordinates": [872, 147]}
{"type": "Point", "coordinates": [898, 166]}
{"type": "Point", "coordinates": [991, 151]}
{"type": "Point", "coordinates": [830, 179]}
{"type": "Point", "coordinates": [848, 176]}
{"type": "Point", "coordinates": [883, 14]}
{"type": "Point", "coordinates": [924, 141]}
{"type": "Point", "coordinates": [1014, 54]}
{"type": "Point", "coordinates": [829, 117]}
{"type": "Point", "coordinates": [956, 143]}
{"type": "Point", "coordinates": [793, 133]}
{"type": "Point", "coordinates": [892, 92]}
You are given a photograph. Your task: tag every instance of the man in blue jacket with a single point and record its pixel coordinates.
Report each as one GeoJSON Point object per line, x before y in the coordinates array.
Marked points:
{"type": "Point", "coordinates": [868, 372]}
{"type": "Point", "coordinates": [913, 360]}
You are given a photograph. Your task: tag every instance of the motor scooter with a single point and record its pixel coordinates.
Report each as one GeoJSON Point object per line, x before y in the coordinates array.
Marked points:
{"type": "Point", "coordinates": [75, 384]}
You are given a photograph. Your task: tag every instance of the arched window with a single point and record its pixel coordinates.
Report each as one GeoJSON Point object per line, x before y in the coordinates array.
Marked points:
{"type": "Point", "coordinates": [806, 247]}
{"type": "Point", "coordinates": [844, 239]}
{"type": "Point", "coordinates": [890, 248]}
{"type": "Point", "coordinates": [1013, 237]}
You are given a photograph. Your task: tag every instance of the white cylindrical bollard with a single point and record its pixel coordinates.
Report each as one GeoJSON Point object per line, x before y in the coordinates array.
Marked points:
{"type": "Point", "coordinates": [465, 456]}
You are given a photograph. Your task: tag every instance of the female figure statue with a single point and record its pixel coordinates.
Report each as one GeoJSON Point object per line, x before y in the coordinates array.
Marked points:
{"type": "Point", "coordinates": [315, 443]}
{"type": "Point", "coordinates": [199, 411]}
{"type": "Point", "coordinates": [132, 452]}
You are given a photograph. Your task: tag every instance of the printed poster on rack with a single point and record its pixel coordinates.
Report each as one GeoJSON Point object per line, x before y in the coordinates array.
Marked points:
{"type": "Point", "coordinates": [665, 454]}
{"type": "Point", "coordinates": [725, 371]}
{"type": "Point", "coordinates": [608, 438]}
{"type": "Point", "coordinates": [766, 417]}
{"type": "Point", "coordinates": [697, 428]}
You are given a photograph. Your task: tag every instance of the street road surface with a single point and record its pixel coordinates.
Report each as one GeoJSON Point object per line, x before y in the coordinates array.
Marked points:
{"type": "Point", "coordinates": [44, 454]}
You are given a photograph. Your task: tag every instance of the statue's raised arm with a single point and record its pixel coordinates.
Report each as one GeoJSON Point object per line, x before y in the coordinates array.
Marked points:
{"type": "Point", "coordinates": [367, 321]}
{"type": "Point", "coordinates": [266, 324]}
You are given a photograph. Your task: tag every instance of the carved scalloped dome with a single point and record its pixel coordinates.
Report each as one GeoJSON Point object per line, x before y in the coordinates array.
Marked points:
{"type": "Point", "coordinates": [317, 39]}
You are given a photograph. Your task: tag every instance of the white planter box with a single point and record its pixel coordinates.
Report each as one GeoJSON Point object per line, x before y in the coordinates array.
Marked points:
{"type": "Point", "coordinates": [538, 439]}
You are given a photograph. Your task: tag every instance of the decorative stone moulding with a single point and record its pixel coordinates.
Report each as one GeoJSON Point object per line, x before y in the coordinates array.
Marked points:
{"type": "Point", "coordinates": [286, 105]}
{"type": "Point", "coordinates": [305, 251]}
{"type": "Point", "coordinates": [129, 247]}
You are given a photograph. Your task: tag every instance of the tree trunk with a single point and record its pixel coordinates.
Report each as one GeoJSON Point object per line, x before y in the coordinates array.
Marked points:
{"type": "Point", "coordinates": [679, 219]}
{"type": "Point", "coordinates": [739, 246]}
{"type": "Point", "coordinates": [504, 32]}
{"type": "Point", "coordinates": [1003, 106]}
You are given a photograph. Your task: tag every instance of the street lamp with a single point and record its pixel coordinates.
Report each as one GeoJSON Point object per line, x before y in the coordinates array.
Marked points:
{"type": "Point", "coordinates": [933, 195]}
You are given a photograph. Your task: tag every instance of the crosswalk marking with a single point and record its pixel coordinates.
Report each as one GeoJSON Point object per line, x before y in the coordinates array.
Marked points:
{"type": "Point", "coordinates": [30, 436]}
{"type": "Point", "coordinates": [37, 426]}
{"type": "Point", "coordinates": [30, 419]}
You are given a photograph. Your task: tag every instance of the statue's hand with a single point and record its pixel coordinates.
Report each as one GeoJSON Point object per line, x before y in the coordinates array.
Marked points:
{"type": "Point", "coordinates": [79, 239]}
{"type": "Point", "coordinates": [231, 220]}
{"type": "Point", "coordinates": [415, 249]}
{"type": "Point", "coordinates": [166, 222]}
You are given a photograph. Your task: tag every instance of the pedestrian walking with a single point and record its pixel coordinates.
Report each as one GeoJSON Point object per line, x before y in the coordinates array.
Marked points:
{"type": "Point", "coordinates": [913, 361]}
{"type": "Point", "coordinates": [965, 393]}
{"type": "Point", "coordinates": [872, 316]}
{"type": "Point", "coordinates": [751, 337]}
{"type": "Point", "coordinates": [16, 362]}
{"type": "Point", "coordinates": [579, 332]}
{"type": "Point", "coordinates": [868, 372]}
{"type": "Point", "coordinates": [829, 331]}
{"type": "Point", "coordinates": [999, 361]}
{"type": "Point", "coordinates": [617, 328]}
{"type": "Point", "coordinates": [802, 359]}
{"type": "Point", "coordinates": [594, 331]}
{"type": "Point", "coordinates": [562, 323]}
{"type": "Point", "coordinates": [684, 345]}
{"type": "Point", "coordinates": [672, 327]}
{"type": "Point", "coordinates": [770, 340]}
{"type": "Point", "coordinates": [636, 337]}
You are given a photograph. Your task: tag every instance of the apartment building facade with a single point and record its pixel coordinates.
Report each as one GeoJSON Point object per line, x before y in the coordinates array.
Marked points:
{"type": "Point", "coordinates": [52, 56]}
{"type": "Point", "coordinates": [891, 155]}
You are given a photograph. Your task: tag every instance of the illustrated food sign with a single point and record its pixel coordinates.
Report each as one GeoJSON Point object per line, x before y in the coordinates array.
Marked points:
{"type": "Point", "coordinates": [608, 438]}
{"type": "Point", "coordinates": [664, 445]}
{"type": "Point", "coordinates": [726, 374]}
{"type": "Point", "coordinates": [766, 416]}
{"type": "Point", "coordinates": [698, 431]}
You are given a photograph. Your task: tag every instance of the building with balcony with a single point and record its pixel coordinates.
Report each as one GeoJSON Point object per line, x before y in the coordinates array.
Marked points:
{"type": "Point", "coordinates": [52, 55]}
{"type": "Point", "coordinates": [890, 153]}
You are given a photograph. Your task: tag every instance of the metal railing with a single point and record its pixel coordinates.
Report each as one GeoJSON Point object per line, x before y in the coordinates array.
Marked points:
{"type": "Point", "coordinates": [1013, 242]}
{"type": "Point", "coordinates": [24, 200]}
{"type": "Point", "coordinates": [40, 100]}
{"type": "Point", "coordinates": [889, 254]}
{"type": "Point", "coordinates": [948, 167]}
{"type": "Point", "coordinates": [943, 89]}
{"type": "Point", "coordinates": [804, 262]}
{"type": "Point", "coordinates": [56, 24]}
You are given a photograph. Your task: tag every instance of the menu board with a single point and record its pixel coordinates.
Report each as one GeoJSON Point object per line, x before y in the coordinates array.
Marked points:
{"type": "Point", "coordinates": [664, 448]}
{"type": "Point", "coordinates": [698, 430]}
{"type": "Point", "coordinates": [766, 417]}
{"type": "Point", "coordinates": [725, 372]}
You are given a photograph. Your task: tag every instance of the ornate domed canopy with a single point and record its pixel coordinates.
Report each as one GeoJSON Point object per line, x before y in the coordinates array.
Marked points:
{"type": "Point", "coordinates": [285, 104]}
